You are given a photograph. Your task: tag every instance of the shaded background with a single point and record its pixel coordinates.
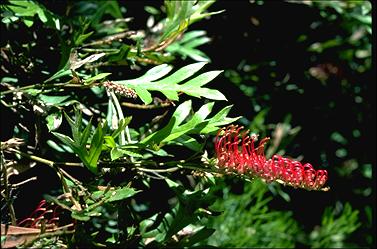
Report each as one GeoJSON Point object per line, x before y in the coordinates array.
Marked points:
{"type": "Point", "coordinates": [307, 66]}
{"type": "Point", "coordinates": [301, 74]}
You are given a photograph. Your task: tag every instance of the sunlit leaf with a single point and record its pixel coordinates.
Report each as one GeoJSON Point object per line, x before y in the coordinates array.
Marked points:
{"type": "Point", "coordinates": [170, 86]}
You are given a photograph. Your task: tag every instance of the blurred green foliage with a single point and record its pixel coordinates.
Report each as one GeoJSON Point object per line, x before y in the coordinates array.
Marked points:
{"type": "Point", "coordinates": [247, 220]}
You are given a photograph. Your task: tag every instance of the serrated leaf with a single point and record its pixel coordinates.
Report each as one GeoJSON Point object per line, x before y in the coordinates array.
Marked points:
{"type": "Point", "coordinates": [202, 79]}
{"type": "Point", "coordinates": [177, 118]}
{"type": "Point", "coordinates": [186, 47]}
{"type": "Point", "coordinates": [198, 123]}
{"type": "Point", "coordinates": [196, 119]}
{"type": "Point", "coordinates": [209, 94]}
{"type": "Point", "coordinates": [183, 73]}
{"type": "Point", "coordinates": [152, 74]}
{"type": "Point", "coordinates": [158, 136]}
{"type": "Point", "coordinates": [170, 88]}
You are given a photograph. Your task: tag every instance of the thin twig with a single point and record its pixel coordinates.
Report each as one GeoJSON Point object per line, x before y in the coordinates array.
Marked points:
{"type": "Point", "coordinates": [110, 38]}
{"type": "Point", "coordinates": [45, 161]}
{"type": "Point", "coordinates": [44, 86]}
{"type": "Point", "coordinates": [145, 107]}
{"type": "Point", "coordinates": [53, 234]}
{"type": "Point", "coordinates": [68, 190]}
{"type": "Point", "coordinates": [7, 192]}
{"type": "Point", "coordinates": [158, 170]}
{"type": "Point", "coordinates": [23, 182]}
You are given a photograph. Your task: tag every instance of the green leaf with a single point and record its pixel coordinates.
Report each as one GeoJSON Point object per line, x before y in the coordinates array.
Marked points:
{"type": "Point", "coordinates": [121, 126]}
{"type": "Point", "coordinates": [189, 142]}
{"type": "Point", "coordinates": [80, 138]}
{"type": "Point", "coordinates": [26, 10]}
{"type": "Point", "coordinates": [182, 112]}
{"type": "Point", "coordinates": [85, 134]}
{"type": "Point", "coordinates": [186, 47]}
{"type": "Point", "coordinates": [121, 194]}
{"type": "Point", "coordinates": [172, 95]}
{"type": "Point", "coordinates": [152, 74]}
{"type": "Point", "coordinates": [178, 117]}
{"type": "Point", "coordinates": [62, 72]}
{"type": "Point", "coordinates": [170, 86]}
{"type": "Point", "coordinates": [83, 216]}
{"type": "Point", "coordinates": [95, 148]}
{"type": "Point", "coordinates": [52, 100]}
{"type": "Point", "coordinates": [202, 79]}
{"type": "Point", "coordinates": [67, 140]}
{"type": "Point", "coordinates": [116, 153]}
{"type": "Point", "coordinates": [198, 235]}
{"type": "Point", "coordinates": [198, 123]}
{"type": "Point", "coordinates": [196, 119]}
{"type": "Point", "coordinates": [145, 224]}
{"type": "Point", "coordinates": [54, 121]}
{"type": "Point", "coordinates": [75, 124]}
{"type": "Point", "coordinates": [188, 36]}
{"type": "Point", "coordinates": [182, 73]}
{"type": "Point", "coordinates": [109, 140]}
{"type": "Point", "coordinates": [143, 94]}
{"type": "Point", "coordinates": [82, 38]}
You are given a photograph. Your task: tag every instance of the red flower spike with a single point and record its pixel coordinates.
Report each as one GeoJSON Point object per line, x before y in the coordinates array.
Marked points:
{"type": "Point", "coordinates": [238, 154]}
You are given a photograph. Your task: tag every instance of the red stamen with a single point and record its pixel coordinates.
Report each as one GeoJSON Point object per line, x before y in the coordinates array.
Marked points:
{"type": "Point", "coordinates": [240, 155]}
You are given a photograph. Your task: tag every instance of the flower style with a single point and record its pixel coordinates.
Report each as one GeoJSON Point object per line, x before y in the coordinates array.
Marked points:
{"type": "Point", "coordinates": [44, 212]}
{"type": "Point", "coordinates": [241, 156]}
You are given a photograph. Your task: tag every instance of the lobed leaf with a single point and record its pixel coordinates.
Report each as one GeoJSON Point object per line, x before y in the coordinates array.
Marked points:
{"type": "Point", "coordinates": [170, 86]}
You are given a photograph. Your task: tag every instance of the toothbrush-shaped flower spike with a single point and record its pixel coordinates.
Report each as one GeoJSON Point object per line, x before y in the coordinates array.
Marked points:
{"type": "Point", "coordinates": [237, 153]}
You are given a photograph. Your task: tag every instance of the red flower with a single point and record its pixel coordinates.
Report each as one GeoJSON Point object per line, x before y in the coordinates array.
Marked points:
{"type": "Point", "coordinates": [241, 156]}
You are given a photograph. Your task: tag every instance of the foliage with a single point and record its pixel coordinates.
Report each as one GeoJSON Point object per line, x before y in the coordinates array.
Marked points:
{"type": "Point", "coordinates": [113, 122]}
{"type": "Point", "coordinates": [333, 229]}
{"type": "Point", "coordinates": [306, 84]}
{"type": "Point", "coordinates": [248, 222]}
